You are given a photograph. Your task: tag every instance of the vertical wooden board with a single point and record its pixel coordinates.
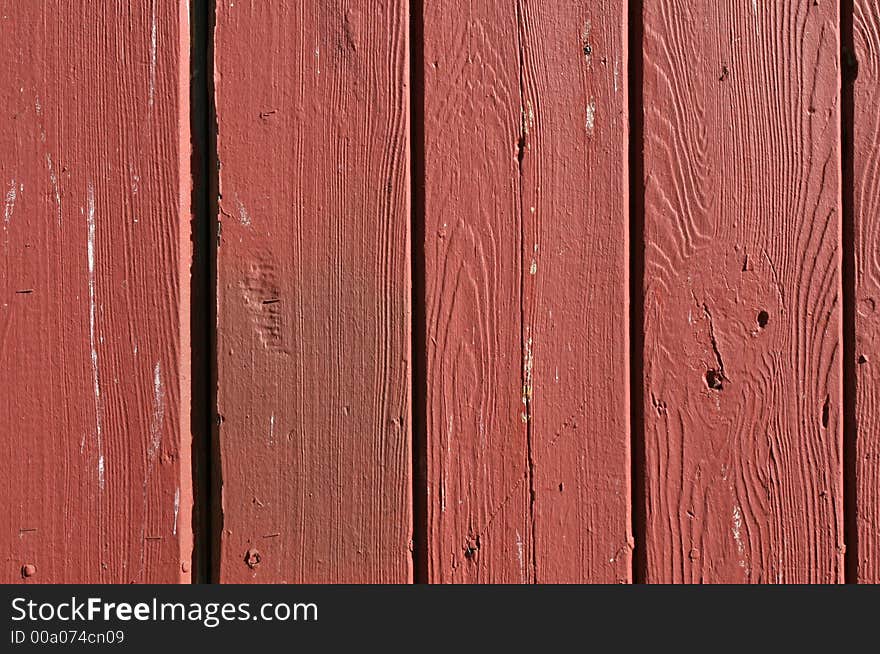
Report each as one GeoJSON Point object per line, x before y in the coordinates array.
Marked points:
{"type": "Point", "coordinates": [866, 210]}
{"type": "Point", "coordinates": [94, 317]}
{"type": "Point", "coordinates": [742, 326]}
{"type": "Point", "coordinates": [313, 283]}
{"type": "Point", "coordinates": [525, 252]}
{"type": "Point", "coordinates": [479, 526]}
{"type": "Point", "coordinates": [575, 194]}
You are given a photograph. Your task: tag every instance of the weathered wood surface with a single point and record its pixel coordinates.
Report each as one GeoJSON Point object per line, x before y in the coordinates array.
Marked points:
{"type": "Point", "coordinates": [742, 350]}
{"type": "Point", "coordinates": [313, 284]}
{"type": "Point", "coordinates": [865, 90]}
{"type": "Point", "coordinates": [523, 379]}
{"type": "Point", "coordinates": [526, 269]}
{"type": "Point", "coordinates": [94, 308]}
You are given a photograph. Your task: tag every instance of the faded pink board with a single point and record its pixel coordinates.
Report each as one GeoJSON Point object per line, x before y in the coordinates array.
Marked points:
{"type": "Point", "coordinates": [526, 277]}
{"type": "Point", "coordinates": [313, 291]}
{"type": "Point", "coordinates": [743, 336]}
{"type": "Point", "coordinates": [94, 307]}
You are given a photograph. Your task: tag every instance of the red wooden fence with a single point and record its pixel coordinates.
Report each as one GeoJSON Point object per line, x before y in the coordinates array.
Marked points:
{"type": "Point", "coordinates": [500, 292]}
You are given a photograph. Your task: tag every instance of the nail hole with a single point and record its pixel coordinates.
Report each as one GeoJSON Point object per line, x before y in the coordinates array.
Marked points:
{"type": "Point", "coordinates": [714, 380]}
{"type": "Point", "coordinates": [763, 319]}
{"type": "Point", "coordinates": [862, 359]}
{"type": "Point", "coordinates": [471, 548]}
{"type": "Point", "coordinates": [252, 558]}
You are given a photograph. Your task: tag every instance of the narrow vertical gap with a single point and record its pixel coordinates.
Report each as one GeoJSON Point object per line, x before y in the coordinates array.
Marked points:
{"type": "Point", "coordinates": [202, 319]}
{"type": "Point", "coordinates": [849, 70]}
{"type": "Point", "coordinates": [525, 336]}
{"type": "Point", "coordinates": [419, 321]}
{"type": "Point", "coordinates": [636, 288]}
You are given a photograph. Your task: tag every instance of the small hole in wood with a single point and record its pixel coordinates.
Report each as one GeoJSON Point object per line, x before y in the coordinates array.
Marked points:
{"type": "Point", "coordinates": [521, 148]}
{"type": "Point", "coordinates": [763, 319]}
{"type": "Point", "coordinates": [252, 558]}
{"type": "Point", "coordinates": [714, 380]}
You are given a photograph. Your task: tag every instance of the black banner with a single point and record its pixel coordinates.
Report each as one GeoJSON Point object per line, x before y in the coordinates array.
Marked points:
{"type": "Point", "coordinates": [461, 618]}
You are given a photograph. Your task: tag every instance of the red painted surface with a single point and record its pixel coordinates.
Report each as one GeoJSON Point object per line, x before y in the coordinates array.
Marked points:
{"type": "Point", "coordinates": [522, 391]}
{"type": "Point", "coordinates": [313, 284]}
{"type": "Point", "coordinates": [94, 308]}
{"type": "Point", "coordinates": [742, 355]}
{"type": "Point", "coordinates": [866, 210]}
{"type": "Point", "coordinates": [526, 276]}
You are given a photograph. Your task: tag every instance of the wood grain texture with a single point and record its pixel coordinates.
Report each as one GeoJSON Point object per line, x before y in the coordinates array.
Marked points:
{"type": "Point", "coordinates": [866, 212]}
{"type": "Point", "coordinates": [94, 309]}
{"type": "Point", "coordinates": [742, 326]}
{"type": "Point", "coordinates": [313, 283]}
{"type": "Point", "coordinates": [525, 252]}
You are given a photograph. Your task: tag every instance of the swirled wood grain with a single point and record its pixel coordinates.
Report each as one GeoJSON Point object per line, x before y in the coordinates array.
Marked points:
{"type": "Point", "coordinates": [742, 350]}
{"type": "Point", "coordinates": [526, 276]}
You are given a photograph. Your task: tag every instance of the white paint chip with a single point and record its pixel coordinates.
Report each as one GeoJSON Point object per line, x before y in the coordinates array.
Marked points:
{"type": "Point", "coordinates": [737, 534]}
{"type": "Point", "coordinates": [591, 116]}
{"type": "Point", "coordinates": [11, 196]}
{"type": "Point", "coordinates": [272, 429]}
{"type": "Point", "coordinates": [96, 378]}
{"type": "Point", "coordinates": [528, 362]}
{"type": "Point", "coordinates": [158, 416]}
{"type": "Point", "coordinates": [243, 216]}
{"type": "Point", "coordinates": [519, 558]}
{"type": "Point", "coordinates": [176, 510]}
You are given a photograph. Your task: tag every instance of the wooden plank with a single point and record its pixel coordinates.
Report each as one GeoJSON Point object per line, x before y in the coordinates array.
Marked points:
{"type": "Point", "coordinates": [313, 283]}
{"type": "Point", "coordinates": [94, 318]}
{"type": "Point", "coordinates": [865, 93]}
{"type": "Point", "coordinates": [525, 252]}
{"type": "Point", "coordinates": [742, 327]}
